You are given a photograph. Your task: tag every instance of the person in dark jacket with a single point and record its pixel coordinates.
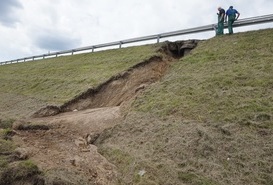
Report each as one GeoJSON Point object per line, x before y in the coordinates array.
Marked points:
{"type": "Point", "coordinates": [232, 15]}
{"type": "Point", "coordinates": [221, 18]}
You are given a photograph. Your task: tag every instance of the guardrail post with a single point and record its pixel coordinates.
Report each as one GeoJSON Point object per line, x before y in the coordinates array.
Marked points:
{"type": "Point", "coordinates": [215, 28]}
{"type": "Point", "coordinates": [120, 44]}
{"type": "Point", "coordinates": [158, 38]}
{"type": "Point", "coordinates": [72, 53]}
{"type": "Point", "coordinates": [93, 49]}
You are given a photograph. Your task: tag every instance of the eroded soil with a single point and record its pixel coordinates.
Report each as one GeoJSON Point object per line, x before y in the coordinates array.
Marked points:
{"type": "Point", "coordinates": [65, 151]}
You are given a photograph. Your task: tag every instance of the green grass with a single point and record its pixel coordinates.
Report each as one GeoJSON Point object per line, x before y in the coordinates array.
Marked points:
{"type": "Point", "coordinates": [208, 121]}
{"type": "Point", "coordinates": [191, 178]}
{"type": "Point", "coordinates": [225, 85]}
{"type": "Point", "coordinates": [6, 146]}
{"type": "Point", "coordinates": [121, 158]}
{"type": "Point", "coordinates": [225, 79]}
{"type": "Point", "coordinates": [12, 171]}
{"type": "Point", "coordinates": [5, 124]}
{"type": "Point", "coordinates": [58, 80]}
{"type": "Point", "coordinates": [23, 172]}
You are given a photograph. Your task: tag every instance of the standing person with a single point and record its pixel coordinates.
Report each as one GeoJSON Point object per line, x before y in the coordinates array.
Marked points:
{"type": "Point", "coordinates": [231, 14]}
{"type": "Point", "coordinates": [221, 17]}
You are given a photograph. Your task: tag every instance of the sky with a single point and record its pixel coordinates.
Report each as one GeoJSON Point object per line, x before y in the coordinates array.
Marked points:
{"type": "Point", "coordinates": [35, 27]}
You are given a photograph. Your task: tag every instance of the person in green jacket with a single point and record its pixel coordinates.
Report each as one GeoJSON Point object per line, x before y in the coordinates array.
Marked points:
{"type": "Point", "coordinates": [221, 17]}
{"type": "Point", "coordinates": [232, 15]}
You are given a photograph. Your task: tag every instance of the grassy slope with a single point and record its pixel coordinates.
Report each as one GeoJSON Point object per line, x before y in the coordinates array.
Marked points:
{"type": "Point", "coordinates": [224, 86]}
{"type": "Point", "coordinates": [209, 121]}
{"type": "Point", "coordinates": [226, 78]}
{"type": "Point", "coordinates": [68, 76]}
{"type": "Point", "coordinates": [57, 80]}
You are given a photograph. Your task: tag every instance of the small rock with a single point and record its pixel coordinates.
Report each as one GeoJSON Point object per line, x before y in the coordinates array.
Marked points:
{"type": "Point", "coordinates": [107, 167]}
{"type": "Point", "coordinates": [73, 162]}
{"type": "Point", "coordinates": [80, 142]}
{"type": "Point", "coordinates": [142, 86]}
{"type": "Point", "coordinates": [18, 124]}
{"type": "Point", "coordinates": [91, 138]}
{"type": "Point", "coordinates": [42, 147]}
{"type": "Point", "coordinates": [141, 172]}
{"type": "Point", "coordinates": [94, 174]}
{"type": "Point", "coordinates": [21, 153]}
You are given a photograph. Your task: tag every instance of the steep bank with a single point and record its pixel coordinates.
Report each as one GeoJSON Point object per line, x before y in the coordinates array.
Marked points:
{"type": "Point", "coordinates": [208, 121]}
{"type": "Point", "coordinates": [62, 145]}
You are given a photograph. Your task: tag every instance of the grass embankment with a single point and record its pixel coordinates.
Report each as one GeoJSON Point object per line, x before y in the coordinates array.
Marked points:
{"type": "Point", "coordinates": [225, 79]}
{"type": "Point", "coordinates": [208, 121]}
{"type": "Point", "coordinates": [57, 80]}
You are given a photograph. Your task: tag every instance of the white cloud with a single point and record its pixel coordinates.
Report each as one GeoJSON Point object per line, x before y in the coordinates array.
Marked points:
{"type": "Point", "coordinates": [33, 27]}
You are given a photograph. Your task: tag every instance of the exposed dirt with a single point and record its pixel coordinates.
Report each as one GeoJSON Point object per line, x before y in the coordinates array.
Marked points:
{"type": "Point", "coordinates": [116, 90]}
{"type": "Point", "coordinates": [126, 85]}
{"type": "Point", "coordinates": [65, 146]}
{"type": "Point", "coordinates": [65, 151]}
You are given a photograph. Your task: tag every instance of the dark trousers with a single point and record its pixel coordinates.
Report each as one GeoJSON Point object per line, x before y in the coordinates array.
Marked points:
{"type": "Point", "coordinates": [220, 28]}
{"type": "Point", "coordinates": [231, 20]}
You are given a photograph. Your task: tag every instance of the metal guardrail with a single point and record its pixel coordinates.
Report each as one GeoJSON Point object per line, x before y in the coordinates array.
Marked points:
{"type": "Point", "coordinates": [241, 22]}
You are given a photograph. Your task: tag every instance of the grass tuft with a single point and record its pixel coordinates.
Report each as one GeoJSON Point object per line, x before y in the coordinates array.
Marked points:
{"type": "Point", "coordinates": [6, 147]}
{"type": "Point", "coordinates": [22, 172]}
{"type": "Point", "coordinates": [5, 124]}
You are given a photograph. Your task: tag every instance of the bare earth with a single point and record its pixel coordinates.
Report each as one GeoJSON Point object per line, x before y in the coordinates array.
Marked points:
{"type": "Point", "coordinates": [65, 150]}
{"type": "Point", "coordinates": [64, 147]}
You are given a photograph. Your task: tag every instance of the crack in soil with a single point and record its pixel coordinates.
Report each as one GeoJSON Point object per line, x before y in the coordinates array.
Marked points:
{"type": "Point", "coordinates": [125, 85]}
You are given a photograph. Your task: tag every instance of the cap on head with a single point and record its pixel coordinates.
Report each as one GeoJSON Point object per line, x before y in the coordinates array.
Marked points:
{"type": "Point", "coordinates": [231, 7]}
